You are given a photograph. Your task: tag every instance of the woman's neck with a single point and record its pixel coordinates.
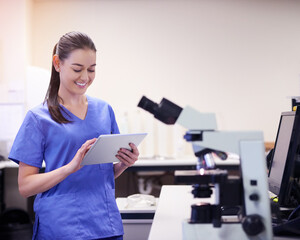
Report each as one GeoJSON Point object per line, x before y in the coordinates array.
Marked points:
{"type": "Point", "coordinates": [74, 100]}
{"type": "Point", "coordinates": [71, 99]}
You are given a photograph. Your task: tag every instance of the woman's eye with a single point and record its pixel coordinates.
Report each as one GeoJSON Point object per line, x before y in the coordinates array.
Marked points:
{"type": "Point", "coordinates": [79, 70]}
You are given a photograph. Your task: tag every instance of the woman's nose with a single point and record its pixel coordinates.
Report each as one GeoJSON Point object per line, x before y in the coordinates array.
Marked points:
{"type": "Point", "coordinates": [85, 75]}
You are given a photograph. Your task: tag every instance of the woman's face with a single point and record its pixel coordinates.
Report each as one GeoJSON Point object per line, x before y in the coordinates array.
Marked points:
{"type": "Point", "coordinates": [77, 72]}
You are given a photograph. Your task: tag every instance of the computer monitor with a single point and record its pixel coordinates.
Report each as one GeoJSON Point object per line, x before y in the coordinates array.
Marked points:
{"type": "Point", "coordinates": [282, 168]}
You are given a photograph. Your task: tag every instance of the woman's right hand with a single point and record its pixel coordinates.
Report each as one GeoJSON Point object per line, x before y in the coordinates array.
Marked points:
{"type": "Point", "coordinates": [75, 164]}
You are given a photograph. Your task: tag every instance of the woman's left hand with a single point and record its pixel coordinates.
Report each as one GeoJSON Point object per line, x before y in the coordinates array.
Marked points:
{"type": "Point", "coordinates": [127, 157]}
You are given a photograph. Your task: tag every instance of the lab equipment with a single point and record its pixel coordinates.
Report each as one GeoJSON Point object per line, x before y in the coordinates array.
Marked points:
{"type": "Point", "coordinates": [285, 166]}
{"type": "Point", "coordinates": [248, 193]}
{"type": "Point", "coordinates": [140, 201]}
{"type": "Point", "coordinates": [295, 102]}
{"type": "Point", "coordinates": [284, 175]}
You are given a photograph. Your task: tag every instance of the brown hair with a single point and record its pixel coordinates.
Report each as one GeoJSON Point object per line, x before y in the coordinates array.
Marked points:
{"type": "Point", "coordinates": [66, 44]}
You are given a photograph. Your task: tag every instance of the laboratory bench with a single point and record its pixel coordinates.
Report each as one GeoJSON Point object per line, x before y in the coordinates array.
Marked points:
{"type": "Point", "coordinates": [164, 221]}
{"type": "Point", "coordinates": [137, 219]}
{"type": "Point", "coordinates": [161, 169]}
{"type": "Point", "coordinates": [160, 163]}
{"type": "Point", "coordinates": [173, 208]}
{"type": "Point", "coordinates": [182, 163]}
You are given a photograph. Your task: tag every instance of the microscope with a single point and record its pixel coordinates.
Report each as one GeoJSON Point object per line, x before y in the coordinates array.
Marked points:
{"type": "Point", "coordinates": [247, 192]}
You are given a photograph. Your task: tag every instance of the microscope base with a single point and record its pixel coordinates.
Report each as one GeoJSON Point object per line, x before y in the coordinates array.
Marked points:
{"type": "Point", "coordinates": [208, 232]}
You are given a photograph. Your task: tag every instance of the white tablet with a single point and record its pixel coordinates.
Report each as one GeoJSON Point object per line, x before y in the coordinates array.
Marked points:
{"type": "Point", "coordinates": [106, 147]}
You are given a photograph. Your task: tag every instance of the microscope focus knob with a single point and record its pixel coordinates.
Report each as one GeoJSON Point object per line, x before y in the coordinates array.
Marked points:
{"type": "Point", "coordinates": [254, 197]}
{"type": "Point", "coordinates": [252, 224]}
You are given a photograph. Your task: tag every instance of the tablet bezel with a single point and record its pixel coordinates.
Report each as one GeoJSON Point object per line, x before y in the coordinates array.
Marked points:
{"type": "Point", "coordinates": [106, 147]}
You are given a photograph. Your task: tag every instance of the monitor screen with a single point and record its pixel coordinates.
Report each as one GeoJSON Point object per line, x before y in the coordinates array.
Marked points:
{"type": "Point", "coordinates": [284, 156]}
{"type": "Point", "coordinates": [281, 151]}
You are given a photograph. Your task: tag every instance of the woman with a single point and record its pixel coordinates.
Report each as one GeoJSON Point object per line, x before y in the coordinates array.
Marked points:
{"type": "Point", "coordinates": [72, 202]}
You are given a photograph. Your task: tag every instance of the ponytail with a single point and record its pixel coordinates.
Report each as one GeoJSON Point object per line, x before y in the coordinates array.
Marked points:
{"type": "Point", "coordinates": [52, 97]}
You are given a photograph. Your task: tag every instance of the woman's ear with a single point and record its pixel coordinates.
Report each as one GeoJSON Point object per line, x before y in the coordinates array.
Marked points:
{"type": "Point", "coordinates": [56, 62]}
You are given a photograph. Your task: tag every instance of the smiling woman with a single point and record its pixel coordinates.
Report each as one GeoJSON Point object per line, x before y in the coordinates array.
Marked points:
{"type": "Point", "coordinates": [60, 132]}
{"type": "Point", "coordinates": [74, 61]}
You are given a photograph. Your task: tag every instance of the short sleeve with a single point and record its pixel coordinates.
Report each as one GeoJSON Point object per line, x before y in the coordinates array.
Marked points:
{"type": "Point", "coordinates": [114, 125]}
{"type": "Point", "coordinates": [28, 146]}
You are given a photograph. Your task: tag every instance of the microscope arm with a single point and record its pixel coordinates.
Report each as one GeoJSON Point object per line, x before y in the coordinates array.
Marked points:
{"type": "Point", "coordinates": [224, 141]}
{"type": "Point", "coordinates": [191, 119]}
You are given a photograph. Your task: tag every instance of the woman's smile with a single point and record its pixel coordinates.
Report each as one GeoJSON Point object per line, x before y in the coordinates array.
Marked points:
{"type": "Point", "coordinates": [81, 84]}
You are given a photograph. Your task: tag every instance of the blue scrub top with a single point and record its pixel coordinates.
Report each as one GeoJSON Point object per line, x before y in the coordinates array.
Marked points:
{"type": "Point", "coordinates": [83, 205]}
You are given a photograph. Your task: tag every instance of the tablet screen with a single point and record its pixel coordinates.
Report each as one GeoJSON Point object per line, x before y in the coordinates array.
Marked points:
{"type": "Point", "coordinates": [106, 147]}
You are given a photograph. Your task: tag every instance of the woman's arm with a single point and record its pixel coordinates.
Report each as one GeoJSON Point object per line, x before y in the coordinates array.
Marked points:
{"type": "Point", "coordinates": [32, 182]}
{"type": "Point", "coordinates": [127, 158]}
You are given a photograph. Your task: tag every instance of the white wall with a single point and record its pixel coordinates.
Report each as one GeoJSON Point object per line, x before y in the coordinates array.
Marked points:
{"type": "Point", "coordinates": [14, 56]}
{"type": "Point", "coordinates": [237, 58]}
{"type": "Point", "coordinates": [13, 47]}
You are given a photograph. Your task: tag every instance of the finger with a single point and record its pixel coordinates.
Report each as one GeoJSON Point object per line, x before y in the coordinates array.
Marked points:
{"type": "Point", "coordinates": [125, 158]}
{"type": "Point", "coordinates": [128, 153]}
{"type": "Point", "coordinates": [86, 146]}
{"type": "Point", "coordinates": [125, 162]}
{"type": "Point", "coordinates": [134, 153]}
{"type": "Point", "coordinates": [134, 149]}
{"type": "Point", "coordinates": [90, 142]}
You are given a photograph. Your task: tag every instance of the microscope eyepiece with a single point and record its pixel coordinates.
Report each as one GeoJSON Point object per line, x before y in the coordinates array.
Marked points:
{"type": "Point", "coordinates": [165, 111]}
{"type": "Point", "coordinates": [148, 105]}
